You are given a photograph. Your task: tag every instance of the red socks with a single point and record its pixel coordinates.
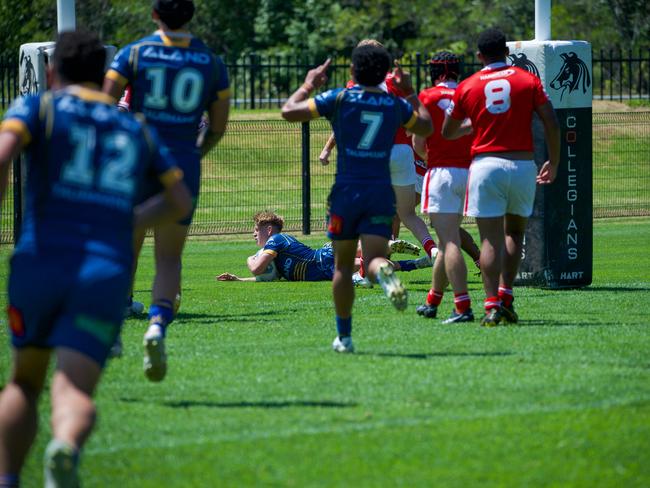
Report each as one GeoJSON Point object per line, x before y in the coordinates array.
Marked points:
{"type": "Point", "coordinates": [506, 296]}
{"type": "Point", "coordinates": [491, 302]}
{"type": "Point", "coordinates": [428, 245]}
{"type": "Point", "coordinates": [462, 302]}
{"type": "Point", "coordinates": [434, 297]}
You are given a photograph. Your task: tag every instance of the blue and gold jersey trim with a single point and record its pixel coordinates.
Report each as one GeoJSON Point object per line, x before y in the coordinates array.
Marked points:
{"type": "Point", "coordinates": [90, 94]}
{"type": "Point", "coordinates": [175, 38]}
{"type": "Point", "coordinates": [171, 176]}
{"type": "Point", "coordinates": [311, 103]}
{"type": "Point", "coordinates": [19, 128]}
{"type": "Point", "coordinates": [411, 121]}
{"type": "Point", "coordinates": [223, 94]}
{"type": "Point", "coordinates": [300, 271]}
{"type": "Point", "coordinates": [270, 251]}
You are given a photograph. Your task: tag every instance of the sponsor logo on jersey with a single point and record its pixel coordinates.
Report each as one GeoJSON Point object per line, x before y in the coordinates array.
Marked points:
{"type": "Point", "coordinates": [175, 55]}
{"type": "Point", "coordinates": [498, 74]}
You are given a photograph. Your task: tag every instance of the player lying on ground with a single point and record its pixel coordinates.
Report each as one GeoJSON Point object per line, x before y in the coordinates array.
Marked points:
{"type": "Point", "coordinates": [71, 268]}
{"type": "Point", "coordinates": [283, 256]}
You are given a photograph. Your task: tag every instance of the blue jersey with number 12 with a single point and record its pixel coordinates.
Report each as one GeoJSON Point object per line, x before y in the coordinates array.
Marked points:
{"type": "Point", "coordinates": [364, 122]}
{"type": "Point", "coordinates": [174, 78]}
{"type": "Point", "coordinates": [86, 163]}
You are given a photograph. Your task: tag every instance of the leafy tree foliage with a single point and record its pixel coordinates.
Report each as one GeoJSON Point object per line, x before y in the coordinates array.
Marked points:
{"type": "Point", "coordinates": [318, 29]}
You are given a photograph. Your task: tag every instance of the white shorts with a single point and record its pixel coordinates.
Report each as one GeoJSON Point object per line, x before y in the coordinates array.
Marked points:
{"type": "Point", "coordinates": [444, 190]}
{"type": "Point", "coordinates": [499, 186]}
{"type": "Point", "coordinates": [402, 168]}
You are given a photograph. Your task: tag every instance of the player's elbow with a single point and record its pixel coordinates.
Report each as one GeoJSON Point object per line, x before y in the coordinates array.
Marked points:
{"type": "Point", "coordinates": [422, 128]}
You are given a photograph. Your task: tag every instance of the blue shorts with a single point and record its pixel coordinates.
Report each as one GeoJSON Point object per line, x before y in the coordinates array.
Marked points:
{"type": "Point", "coordinates": [67, 300]}
{"type": "Point", "coordinates": [353, 209]}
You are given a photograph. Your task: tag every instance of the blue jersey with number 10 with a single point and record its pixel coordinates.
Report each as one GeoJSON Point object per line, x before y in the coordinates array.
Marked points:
{"type": "Point", "coordinates": [174, 78]}
{"type": "Point", "coordinates": [364, 122]}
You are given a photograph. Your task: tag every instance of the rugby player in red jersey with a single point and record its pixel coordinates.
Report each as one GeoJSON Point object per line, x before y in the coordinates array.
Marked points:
{"type": "Point", "coordinates": [500, 101]}
{"type": "Point", "coordinates": [444, 190]}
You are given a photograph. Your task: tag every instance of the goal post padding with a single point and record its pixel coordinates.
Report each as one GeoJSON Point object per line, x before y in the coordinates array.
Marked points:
{"type": "Point", "coordinates": [558, 247]}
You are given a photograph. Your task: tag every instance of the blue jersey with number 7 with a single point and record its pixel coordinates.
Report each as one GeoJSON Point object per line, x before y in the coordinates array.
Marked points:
{"type": "Point", "coordinates": [364, 121]}
{"type": "Point", "coordinates": [174, 78]}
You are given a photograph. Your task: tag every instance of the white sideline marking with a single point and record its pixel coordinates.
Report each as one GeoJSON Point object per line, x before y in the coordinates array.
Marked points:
{"type": "Point", "coordinates": [349, 426]}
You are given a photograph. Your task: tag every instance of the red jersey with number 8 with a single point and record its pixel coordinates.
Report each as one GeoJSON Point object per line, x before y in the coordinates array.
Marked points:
{"type": "Point", "coordinates": [500, 101]}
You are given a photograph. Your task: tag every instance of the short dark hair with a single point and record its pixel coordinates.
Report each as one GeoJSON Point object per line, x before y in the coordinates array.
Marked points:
{"type": "Point", "coordinates": [370, 64]}
{"type": "Point", "coordinates": [174, 13]}
{"type": "Point", "coordinates": [444, 63]}
{"type": "Point", "coordinates": [492, 43]}
{"type": "Point", "coordinates": [79, 57]}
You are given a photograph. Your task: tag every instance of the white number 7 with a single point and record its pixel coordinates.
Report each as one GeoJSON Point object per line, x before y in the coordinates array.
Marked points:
{"type": "Point", "coordinates": [374, 120]}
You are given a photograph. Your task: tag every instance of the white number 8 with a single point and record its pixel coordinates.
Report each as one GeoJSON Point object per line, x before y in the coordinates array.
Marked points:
{"type": "Point", "coordinates": [497, 96]}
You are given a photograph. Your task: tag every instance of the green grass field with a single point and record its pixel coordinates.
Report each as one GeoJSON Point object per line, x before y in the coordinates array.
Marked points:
{"type": "Point", "coordinates": [254, 396]}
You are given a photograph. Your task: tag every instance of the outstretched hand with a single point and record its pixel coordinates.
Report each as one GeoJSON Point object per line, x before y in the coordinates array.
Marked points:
{"type": "Point", "coordinates": [402, 80]}
{"type": "Point", "coordinates": [318, 76]}
{"type": "Point", "coordinates": [228, 277]}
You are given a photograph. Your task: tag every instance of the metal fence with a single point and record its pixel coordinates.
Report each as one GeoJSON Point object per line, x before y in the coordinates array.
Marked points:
{"type": "Point", "coordinates": [266, 81]}
{"type": "Point", "coordinates": [263, 164]}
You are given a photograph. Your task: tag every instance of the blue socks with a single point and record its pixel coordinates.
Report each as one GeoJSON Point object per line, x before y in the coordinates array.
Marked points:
{"type": "Point", "coordinates": [162, 313]}
{"type": "Point", "coordinates": [407, 265]}
{"type": "Point", "coordinates": [344, 326]}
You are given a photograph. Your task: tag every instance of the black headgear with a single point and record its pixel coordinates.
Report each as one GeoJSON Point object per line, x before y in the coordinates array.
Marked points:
{"type": "Point", "coordinates": [444, 63]}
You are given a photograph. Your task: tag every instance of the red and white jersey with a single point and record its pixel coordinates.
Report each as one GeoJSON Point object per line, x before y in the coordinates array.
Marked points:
{"type": "Point", "coordinates": [441, 152]}
{"type": "Point", "coordinates": [500, 101]}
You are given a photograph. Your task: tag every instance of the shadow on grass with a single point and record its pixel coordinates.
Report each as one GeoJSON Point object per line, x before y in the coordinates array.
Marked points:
{"type": "Point", "coordinates": [235, 317]}
{"type": "Point", "coordinates": [430, 355]}
{"type": "Point", "coordinates": [244, 404]}
{"type": "Point", "coordinates": [612, 288]}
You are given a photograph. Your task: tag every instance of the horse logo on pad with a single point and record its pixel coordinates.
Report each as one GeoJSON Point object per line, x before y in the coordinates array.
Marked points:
{"type": "Point", "coordinates": [573, 75]}
{"type": "Point", "coordinates": [520, 60]}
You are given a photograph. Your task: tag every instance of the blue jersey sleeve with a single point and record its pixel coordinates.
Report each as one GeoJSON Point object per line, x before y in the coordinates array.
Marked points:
{"type": "Point", "coordinates": [221, 82]}
{"type": "Point", "coordinates": [407, 113]}
{"type": "Point", "coordinates": [325, 103]}
{"type": "Point", "coordinates": [22, 118]}
{"type": "Point", "coordinates": [121, 68]}
{"type": "Point", "coordinates": [276, 244]}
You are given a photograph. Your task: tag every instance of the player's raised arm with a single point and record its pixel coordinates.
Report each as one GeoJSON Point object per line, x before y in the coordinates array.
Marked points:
{"type": "Point", "coordinates": [548, 171]}
{"type": "Point", "coordinates": [298, 108]}
{"type": "Point", "coordinates": [421, 125]}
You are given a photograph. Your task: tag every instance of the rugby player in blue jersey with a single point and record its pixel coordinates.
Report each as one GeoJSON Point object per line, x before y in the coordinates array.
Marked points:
{"type": "Point", "coordinates": [174, 78]}
{"type": "Point", "coordinates": [361, 203]}
{"type": "Point", "coordinates": [71, 267]}
{"type": "Point", "coordinates": [294, 260]}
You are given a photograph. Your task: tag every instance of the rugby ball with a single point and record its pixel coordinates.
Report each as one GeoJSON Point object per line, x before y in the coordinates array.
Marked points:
{"type": "Point", "coordinates": [270, 273]}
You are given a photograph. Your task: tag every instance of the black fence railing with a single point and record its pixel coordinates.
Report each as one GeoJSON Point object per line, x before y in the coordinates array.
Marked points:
{"type": "Point", "coordinates": [266, 81]}
{"type": "Point", "coordinates": [266, 164]}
